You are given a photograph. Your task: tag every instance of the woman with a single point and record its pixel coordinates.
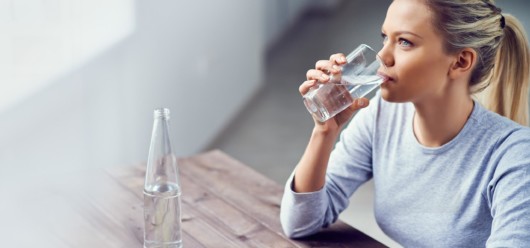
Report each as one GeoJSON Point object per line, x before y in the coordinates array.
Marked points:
{"type": "Point", "coordinates": [448, 170]}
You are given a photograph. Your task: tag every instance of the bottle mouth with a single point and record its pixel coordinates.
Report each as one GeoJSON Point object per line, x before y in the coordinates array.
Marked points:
{"type": "Point", "coordinates": [161, 113]}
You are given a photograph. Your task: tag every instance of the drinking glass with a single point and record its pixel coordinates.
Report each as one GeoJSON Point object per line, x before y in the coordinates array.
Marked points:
{"type": "Point", "coordinates": [358, 77]}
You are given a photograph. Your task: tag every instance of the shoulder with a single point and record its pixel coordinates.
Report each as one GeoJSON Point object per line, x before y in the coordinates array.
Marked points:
{"type": "Point", "coordinates": [509, 142]}
{"type": "Point", "coordinates": [506, 132]}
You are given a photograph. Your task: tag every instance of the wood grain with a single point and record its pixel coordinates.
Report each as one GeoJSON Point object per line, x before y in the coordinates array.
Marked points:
{"type": "Point", "coordinates": [224, 204]}
{"type": "Point", "coordinates": [227, 204]}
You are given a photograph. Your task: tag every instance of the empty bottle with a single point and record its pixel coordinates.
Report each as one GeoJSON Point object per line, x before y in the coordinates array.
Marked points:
{"type": "Point", "coordinates": [162, 211]}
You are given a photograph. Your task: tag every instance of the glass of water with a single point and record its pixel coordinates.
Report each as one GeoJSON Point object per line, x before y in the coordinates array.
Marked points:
{"type": "Point", "coordinates": [357, 78]}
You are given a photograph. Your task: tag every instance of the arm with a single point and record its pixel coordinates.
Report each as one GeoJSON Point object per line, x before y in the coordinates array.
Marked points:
{"type": "Point", "coordinates": [297, 219]}
{"type": "Point", "coordinates": [330, 183]}
{"type": "Point", "coordinates": [311, 170]}
{"type": "Point", "coordinates": [509, 194]}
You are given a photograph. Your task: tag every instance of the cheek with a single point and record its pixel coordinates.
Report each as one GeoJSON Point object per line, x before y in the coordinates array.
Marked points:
{"type": "Point", "coordinates": [418, 74]}
{"type": "Point", "coordinates": [421, 70]}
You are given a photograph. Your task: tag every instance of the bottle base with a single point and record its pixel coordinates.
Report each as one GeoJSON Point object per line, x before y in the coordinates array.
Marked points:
{"type": "Point", "coordinates": [177, 244]}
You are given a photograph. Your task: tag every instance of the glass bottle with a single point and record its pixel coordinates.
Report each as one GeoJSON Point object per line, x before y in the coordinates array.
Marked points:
{"type": "Point", "coordinates": [162, 210]}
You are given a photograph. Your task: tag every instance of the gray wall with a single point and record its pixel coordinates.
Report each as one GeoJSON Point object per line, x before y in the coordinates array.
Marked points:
{"type": "Point", "coordinates": [519, 8]}
{"type": "Point", "coordinates": [280, 15]}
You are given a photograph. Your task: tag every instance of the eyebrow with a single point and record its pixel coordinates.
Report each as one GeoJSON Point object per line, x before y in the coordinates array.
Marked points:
{"type": "Point", "coordinates": [405, 32]}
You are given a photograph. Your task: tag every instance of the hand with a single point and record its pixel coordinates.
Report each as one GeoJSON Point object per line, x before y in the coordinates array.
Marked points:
{"type": "Point", "coordinates": [321, 74]}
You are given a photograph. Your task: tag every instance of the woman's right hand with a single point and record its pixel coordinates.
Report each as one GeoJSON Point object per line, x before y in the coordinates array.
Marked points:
{"type": "Point", "coordinates": [321, 74]}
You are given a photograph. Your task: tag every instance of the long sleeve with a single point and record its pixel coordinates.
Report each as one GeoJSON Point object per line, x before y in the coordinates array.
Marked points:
{"type": "Point", "coordinates": [350, 165]}
{"type": "Point", "coordinates": [509, 193]}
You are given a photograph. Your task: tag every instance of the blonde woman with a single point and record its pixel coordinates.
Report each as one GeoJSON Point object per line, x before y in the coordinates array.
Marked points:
{"type": "Point", "coordinates": [450, 170]}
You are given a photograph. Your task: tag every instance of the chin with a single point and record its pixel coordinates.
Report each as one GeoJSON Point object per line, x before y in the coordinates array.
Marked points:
{"type": "Point", "coordinates": [390, 95]}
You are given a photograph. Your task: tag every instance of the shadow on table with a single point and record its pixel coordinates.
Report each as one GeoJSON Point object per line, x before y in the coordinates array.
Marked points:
{"type": "Point", "coordinates": [340, 234]}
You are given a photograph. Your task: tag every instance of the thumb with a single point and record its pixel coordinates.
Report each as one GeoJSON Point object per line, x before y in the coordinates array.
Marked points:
{"type": "Point", "coordinates": [360, 103]}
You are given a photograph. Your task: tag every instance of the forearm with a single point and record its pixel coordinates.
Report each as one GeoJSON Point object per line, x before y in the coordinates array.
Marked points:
{"type": "Point", "coordinates": [310, 173]}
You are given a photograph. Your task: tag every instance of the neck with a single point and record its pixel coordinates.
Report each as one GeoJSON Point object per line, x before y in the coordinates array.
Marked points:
{"type": "Point", "coordinates": [439, 120]}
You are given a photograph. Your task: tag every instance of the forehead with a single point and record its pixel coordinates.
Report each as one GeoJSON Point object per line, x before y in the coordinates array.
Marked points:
{"type": "Point", "coordinates": [409, 15]}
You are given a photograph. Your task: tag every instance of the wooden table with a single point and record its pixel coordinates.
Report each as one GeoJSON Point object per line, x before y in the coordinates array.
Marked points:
{"type": "Point", "coordinates": [225, 204]}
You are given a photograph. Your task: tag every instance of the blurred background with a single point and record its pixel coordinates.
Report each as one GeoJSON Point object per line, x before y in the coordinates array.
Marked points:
{"type": "Point", "coordinates": [80, 79]}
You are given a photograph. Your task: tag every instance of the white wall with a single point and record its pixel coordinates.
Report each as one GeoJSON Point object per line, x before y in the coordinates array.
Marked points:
{"type": "Point", "coordinates": [44, 39]}
{"type": "Point", "coordinates": [202, 59]}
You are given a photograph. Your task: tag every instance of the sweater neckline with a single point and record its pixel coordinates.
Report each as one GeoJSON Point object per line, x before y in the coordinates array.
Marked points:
{"type": "Point", "coordinates": [457, 139]}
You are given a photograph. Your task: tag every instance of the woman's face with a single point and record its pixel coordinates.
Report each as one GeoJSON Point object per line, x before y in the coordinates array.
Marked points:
{"type": "Point", "coordinates": [413, 54]}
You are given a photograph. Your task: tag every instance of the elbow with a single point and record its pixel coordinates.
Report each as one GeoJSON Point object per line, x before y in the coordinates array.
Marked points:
{"type": "Point", "coordinates": [288, 226]}
{"type": "Point", "coordinates": [294, 231]}
{"type": "Point", "coordinates": [293, 234]}
{"type": "Point", "coordinates": [289, 233]}
{"type": "Point", "coordinates": [288, 230]}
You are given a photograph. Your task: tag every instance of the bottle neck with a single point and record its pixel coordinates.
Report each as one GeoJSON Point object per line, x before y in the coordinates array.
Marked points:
{"type": "Point", "coordinates": [161, 163]}
{"type": "Point", "coordinates": [161, 113]}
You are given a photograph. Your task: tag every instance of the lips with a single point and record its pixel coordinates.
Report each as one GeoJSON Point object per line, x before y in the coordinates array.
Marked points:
{"type": "Point", "coordinates": [385, 77]}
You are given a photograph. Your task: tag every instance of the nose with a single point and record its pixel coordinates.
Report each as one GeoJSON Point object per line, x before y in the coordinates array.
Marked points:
{"type": "Point", "coordinates": [385, 55]}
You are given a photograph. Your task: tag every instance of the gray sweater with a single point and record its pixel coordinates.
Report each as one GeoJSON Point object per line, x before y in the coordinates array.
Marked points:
{"type": "Point", "coordinates": [473, 191]}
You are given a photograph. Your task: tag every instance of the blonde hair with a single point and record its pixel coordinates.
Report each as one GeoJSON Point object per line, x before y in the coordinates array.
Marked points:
{"type": "Point", "coordinates": [500, 78]}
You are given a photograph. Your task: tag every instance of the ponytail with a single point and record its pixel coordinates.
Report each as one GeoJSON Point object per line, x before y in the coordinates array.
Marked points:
{"type": "Point", "coordinates": [507, 93]}
{"type": "Point", "coordinates": [499, 80]}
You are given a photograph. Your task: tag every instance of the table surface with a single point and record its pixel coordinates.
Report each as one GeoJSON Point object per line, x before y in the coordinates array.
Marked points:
{"type": "Point", "coordinates": [224, 204]}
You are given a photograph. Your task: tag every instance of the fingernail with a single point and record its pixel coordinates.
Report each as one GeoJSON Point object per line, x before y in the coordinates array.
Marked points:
{"type": "Point", "coordinates": [343, 59]}
{"type": "Point", "coordinates": [324, 77]}
{"type": "Point", "coordinates": [336, 68]}
{"type": "Point", "coordinates": [360, 103]}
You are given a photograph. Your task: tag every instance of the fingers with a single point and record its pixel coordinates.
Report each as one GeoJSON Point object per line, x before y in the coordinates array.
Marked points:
{"type": "Point", "coordinates": [327, 66]}
{"type": "Point", "coordinates": [338, 58]}
{"type": "Point", "coordinates": [318, 75]}
{"type": "Point", "coordinates": [344, 116]}
{"type": "Point", "coordinates": [323, 70]}
{"type": "Point", "coordinates": [359, 103]}
{"type": "Point", "coordinates": [306, 86]}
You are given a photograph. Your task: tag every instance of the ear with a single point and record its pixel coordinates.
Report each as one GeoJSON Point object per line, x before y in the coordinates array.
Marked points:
{"type": "Point", "coordinates": [463, 64]}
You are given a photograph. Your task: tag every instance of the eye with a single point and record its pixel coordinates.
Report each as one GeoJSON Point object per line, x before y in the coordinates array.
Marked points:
{"type": "Point", "coordinates": [405, 43]}
{"type": "Point", "coordinates": [385, 38]}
